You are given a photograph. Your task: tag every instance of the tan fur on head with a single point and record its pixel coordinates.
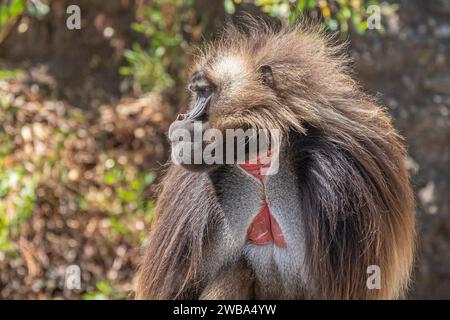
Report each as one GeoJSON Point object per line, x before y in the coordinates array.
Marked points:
{"type": "Point", "coordinates": [307, 66]}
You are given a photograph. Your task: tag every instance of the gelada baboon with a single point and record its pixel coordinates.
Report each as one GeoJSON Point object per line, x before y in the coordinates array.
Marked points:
{"type": "Point", "coordinates": [340, 203]}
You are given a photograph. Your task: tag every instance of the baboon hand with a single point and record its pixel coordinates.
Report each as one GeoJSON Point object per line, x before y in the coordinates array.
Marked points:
{"type": "Point", "coordinates": [186, 138]}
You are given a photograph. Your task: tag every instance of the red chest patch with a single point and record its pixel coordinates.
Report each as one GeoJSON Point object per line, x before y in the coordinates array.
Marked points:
{"type": "Point", "coordinates": [264, 229]}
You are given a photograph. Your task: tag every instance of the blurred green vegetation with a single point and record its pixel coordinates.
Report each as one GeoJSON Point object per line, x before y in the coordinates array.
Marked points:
{"type": "Point", "coordinates": [119, 188]}
{"type": "Point", "coordinates": [104, 291]}
{"type": "Point", "coordinates": [167, 26]}
{"type": "Point", "coordinates": [9, 74]}
{"type": "Point", "coordinates": [11, 10]}
{"type": "Point", "coordinates": [56, 166]}
{"type": "Point", "coordinates": [336, 15]}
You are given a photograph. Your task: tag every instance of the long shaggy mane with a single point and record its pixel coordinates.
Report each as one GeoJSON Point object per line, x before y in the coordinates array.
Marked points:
{"type": "Point", "coordinates": [357, 203]}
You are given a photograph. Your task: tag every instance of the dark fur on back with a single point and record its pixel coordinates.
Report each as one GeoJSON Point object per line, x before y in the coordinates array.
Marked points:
{"type": "Point", "coordinates": [357, 203]}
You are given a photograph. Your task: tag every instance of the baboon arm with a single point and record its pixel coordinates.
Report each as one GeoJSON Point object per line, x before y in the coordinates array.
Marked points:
{"type": "Point", "coordinates": [235, 282]}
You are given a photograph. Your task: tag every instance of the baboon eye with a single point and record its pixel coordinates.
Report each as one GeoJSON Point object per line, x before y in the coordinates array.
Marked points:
{"type": "Point", "coordinates": [267, 75]}
{"type": "Point", "coordinates": [200, 85]}
{"type": "Point", "coordinates": [203, 90]}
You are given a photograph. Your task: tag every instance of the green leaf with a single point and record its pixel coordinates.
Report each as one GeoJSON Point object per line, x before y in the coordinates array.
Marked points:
{"type": "Point", "coordinates": [229, 6]}
{"type": "Point", "coordinates": [126, 195]}
{"type": "Point", "coordinates": [38, 9]}
{"type": "Point", "coordinates": [149, 178]}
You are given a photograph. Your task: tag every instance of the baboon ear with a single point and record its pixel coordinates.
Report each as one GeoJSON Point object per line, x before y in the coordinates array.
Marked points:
{"type": "Point", "coordinates": [267, 75]}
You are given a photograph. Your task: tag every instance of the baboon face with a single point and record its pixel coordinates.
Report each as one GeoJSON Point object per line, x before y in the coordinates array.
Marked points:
{"type": "Point", "coordinates": [226, 90]}
{"type": "Point", "coordinates": [289, 80]}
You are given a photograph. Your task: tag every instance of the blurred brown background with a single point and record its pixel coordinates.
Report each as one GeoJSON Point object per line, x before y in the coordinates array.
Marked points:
{"type": "Point", "coordinates": [83, 116]}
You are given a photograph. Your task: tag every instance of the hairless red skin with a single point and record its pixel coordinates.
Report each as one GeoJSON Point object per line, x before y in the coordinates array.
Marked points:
{"type": "Point", "coordinates": [264, 229]}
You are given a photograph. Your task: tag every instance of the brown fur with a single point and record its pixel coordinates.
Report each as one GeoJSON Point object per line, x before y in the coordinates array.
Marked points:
{"type": "Point", "coordinates": [350, 155]}
{"type": "Point", "coordinates": [234, 283]}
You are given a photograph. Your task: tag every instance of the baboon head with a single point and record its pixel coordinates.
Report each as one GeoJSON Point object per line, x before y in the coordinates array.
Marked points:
{"type": "Point", "coordinates": [264, 79]}
{"type": "Point", "coordinates": [355, 198]}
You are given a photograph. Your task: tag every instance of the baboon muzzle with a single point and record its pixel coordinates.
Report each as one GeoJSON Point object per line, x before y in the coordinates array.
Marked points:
{"type": "Point", "coordinates": [198, 111]}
